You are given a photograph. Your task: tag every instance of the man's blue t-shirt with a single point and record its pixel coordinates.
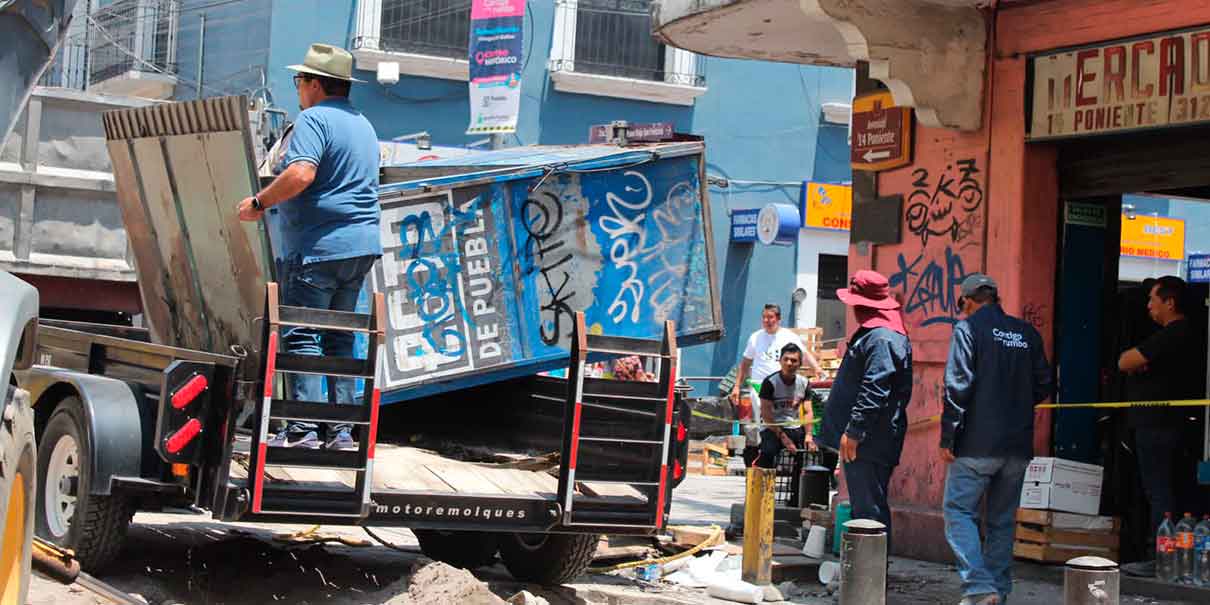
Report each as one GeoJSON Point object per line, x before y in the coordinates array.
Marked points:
{"type": "Point", "coordinates": [336, 217]}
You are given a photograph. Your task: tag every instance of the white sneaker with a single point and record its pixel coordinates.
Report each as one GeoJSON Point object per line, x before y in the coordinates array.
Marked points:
{"type": "Point", "coordinates": [309, 441]}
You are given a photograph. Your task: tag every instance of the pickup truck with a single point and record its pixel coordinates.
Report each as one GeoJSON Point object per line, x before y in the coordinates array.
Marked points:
{"type": "Point", "coordinates": [499, 273]}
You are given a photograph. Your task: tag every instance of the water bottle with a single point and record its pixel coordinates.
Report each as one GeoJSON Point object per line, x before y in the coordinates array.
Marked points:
{"type": "Point", "coordinates": [1201, 546]}
{"type": "Point", "coordinates": [1165, 551]}
{"type": "Point", "coordinates": [1184, 549]}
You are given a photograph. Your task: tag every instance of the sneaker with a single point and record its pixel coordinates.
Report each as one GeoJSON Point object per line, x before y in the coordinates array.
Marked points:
{"type": "Point", "coordinates": [342, 442]}
{"type": "Point", "coordinates": [990, 598]}
{"type": "Point", "coordinates": [309, 441]}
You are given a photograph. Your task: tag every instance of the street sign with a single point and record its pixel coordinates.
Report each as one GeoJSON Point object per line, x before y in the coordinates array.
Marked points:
{"type": "Point", "coordinates": [743, 225]}
{"type": "Point", "coordinates": [882, 133]}
{"type": "Point", "coordinates": [1199, 268]}
{"type": "Point", "coordinates": [1088, 215]}
{"type": "Point", "coordinates": [649, 133]}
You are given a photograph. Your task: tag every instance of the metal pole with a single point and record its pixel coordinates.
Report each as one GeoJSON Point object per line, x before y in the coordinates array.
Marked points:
{"type": "Point", "coordinates": [1090, 581]}
{"type": "Point", "coordinates": [201, 53]}
{"type": "Point", "coordinates": [863, 563]}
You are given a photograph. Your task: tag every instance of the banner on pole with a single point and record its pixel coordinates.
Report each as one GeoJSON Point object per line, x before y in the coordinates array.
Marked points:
{"type": "Point", "coordinates": [496, 49]}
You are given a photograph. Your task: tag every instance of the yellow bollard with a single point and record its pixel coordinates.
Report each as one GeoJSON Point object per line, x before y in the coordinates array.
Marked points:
{"type": "Point", "coordinates": [758, 527]}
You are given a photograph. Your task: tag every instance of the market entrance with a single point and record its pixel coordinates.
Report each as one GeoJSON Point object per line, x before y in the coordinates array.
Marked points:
{"type": "Point", "coordinates": [1135, 208]}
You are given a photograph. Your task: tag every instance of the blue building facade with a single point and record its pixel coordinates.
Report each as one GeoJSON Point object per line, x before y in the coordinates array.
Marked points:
{"type": "Point", "coordinates": [767, 126]}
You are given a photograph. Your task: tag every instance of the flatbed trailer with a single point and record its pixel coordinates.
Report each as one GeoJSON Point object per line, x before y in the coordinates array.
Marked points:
{"type": "Point", "coordinates": [105, 402]}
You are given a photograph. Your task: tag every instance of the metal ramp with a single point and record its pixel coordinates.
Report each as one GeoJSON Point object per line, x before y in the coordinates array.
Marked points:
{"type": "Point", "coordinates": [282, 498]}
{"type": "Point", "coordinates": [632, 452]}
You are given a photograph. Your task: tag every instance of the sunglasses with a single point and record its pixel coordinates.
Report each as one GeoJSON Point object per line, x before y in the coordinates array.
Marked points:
{"type": "Point", "coordinates": [300, 78]}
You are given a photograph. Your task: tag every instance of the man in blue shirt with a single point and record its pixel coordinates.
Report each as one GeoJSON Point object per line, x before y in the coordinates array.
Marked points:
{"type": "Point", "coordinates": [327, 186]}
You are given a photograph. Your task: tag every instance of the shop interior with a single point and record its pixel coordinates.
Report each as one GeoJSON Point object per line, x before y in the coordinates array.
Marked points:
{"type": "Point", "coordinates": [1154, 189]}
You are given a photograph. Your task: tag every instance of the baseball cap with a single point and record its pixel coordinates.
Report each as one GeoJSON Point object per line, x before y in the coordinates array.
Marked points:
{"type": "Point", "coordinates": [974, 281]}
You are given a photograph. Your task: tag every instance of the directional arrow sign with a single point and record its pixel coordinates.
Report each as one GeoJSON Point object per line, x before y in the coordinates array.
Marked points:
{"type": "Point", "coordinates": [870, 156]}
{"type": "Point", "coordinates": [882, 133]}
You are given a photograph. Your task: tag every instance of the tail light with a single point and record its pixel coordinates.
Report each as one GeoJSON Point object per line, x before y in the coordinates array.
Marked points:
{"type": "Point", "coordinates": [681, 433]}
{"type": "Point", "coordinates": [678, 471]}
{"type": "Point", "coordinates": [183, 436]}
{"type": "Point", "coordinates": [189, 391]}
{"type": "Point", "coordinates": [184, 411]}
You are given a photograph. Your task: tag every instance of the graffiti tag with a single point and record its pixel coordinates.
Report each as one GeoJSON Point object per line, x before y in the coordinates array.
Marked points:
{"type": "Point", "coordinates": [541, 217]}
{"type": "Point", "coordinates": [933, 289]}
{"type": "Point", "coordinates": [625, 226]}
{"type": "Point", "coordinates": [942, 207]}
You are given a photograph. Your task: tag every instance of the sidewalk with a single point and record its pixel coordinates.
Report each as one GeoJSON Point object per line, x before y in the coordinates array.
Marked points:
{"type": "Point", "coordinates": [707, 500]}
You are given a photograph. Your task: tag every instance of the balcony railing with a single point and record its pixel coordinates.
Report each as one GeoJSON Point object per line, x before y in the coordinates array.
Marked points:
{"type": "Point", "coordinates": [124, 38]}
{"type": "Point", "coordinates": [437, 28]}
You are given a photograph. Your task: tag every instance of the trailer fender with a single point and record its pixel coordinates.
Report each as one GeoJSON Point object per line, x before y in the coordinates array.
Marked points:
{"type": "Point", "coordinates": [111, 413]}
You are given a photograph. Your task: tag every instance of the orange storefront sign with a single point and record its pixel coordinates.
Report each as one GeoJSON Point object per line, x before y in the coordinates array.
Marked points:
{"type": "Point", "coordinates": [1153, 237]}
{"type": "Point", "coordinates": [828, 206]}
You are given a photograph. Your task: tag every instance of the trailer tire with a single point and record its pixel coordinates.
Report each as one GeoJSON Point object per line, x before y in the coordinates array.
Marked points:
{"type": "Point", "coordinates": [67, 514]}
{"type": "Point", "coordinates": [465, 549]}
{"type": "Point", "coordinates": [18, 485]}
{"type": "Point", "coordinates": [547, 559]}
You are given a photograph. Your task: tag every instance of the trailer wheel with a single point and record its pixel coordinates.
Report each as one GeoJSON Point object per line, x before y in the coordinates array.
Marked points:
{"type": "Point", "coordinates": [68, 515]}
{"type": "Point", "coordinates": [466, 549]}
{"type": "Point", "coordinates": [17, 489]}
{"type": "Point", "coordinates": [547, 558]}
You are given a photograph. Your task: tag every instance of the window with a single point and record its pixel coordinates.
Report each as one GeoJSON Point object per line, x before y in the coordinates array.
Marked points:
{"type": "Point", "coordinates": [440, 28]}
{"type": "Point", "coordinates": [597, 43]}
{"type": "Point", "coordinates": [425, 37]}
{"type": "Point", "coordinates": [613, 38]}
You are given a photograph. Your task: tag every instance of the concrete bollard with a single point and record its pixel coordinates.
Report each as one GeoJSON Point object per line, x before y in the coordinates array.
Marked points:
{"type": "Point", "coordinates": [863, 559]}
{"type": "Point", "coordinates": [1090, 581]}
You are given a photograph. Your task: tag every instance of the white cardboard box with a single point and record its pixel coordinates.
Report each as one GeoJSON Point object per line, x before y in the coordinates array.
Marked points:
{"type": "Point", "coordinates": [1064, 485]}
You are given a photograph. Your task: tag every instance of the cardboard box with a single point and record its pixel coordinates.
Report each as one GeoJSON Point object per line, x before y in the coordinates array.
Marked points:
{"type": "Point", "coordinates": [1064, 485]}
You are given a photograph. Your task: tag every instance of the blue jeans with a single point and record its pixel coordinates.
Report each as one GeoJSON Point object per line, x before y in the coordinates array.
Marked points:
{"type": "Point", "coordinates": [984, 568]}
{"type": "Point", "coordinates": [335, 286]}
{"type": "Point", "coordinates": [868, 482]}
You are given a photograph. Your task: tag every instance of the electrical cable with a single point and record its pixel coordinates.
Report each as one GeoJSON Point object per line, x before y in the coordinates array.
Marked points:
{"type": "Point", "coordinates": [715, 535]}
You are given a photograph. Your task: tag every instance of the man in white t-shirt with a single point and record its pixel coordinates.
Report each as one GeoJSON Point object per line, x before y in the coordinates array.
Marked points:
{"type": "Point", "coordinates": [762, 359]}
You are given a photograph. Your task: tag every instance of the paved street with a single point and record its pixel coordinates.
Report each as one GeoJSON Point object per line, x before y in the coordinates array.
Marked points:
{"type": "Point", "coordinates": [193, 560]}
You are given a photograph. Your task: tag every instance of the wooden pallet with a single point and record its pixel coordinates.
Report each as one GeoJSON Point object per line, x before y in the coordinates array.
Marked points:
{"type": "Point", "coordinates": [707, 459]}
{"type": "Point", "coordinates": [1052, 537]}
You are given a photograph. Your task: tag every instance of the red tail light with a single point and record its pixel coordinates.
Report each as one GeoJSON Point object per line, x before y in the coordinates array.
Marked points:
{"type": "Point", "coordinates": [681, 433]}
{"type": "Point", "coordinates": [677, 470]}
{"type": "Point", "coordinates": [182, 437]}
{"type": "Point", "coordinates": [189, 391]}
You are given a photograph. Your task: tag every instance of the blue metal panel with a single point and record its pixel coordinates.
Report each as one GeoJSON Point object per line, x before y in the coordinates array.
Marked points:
{"type": "Point", "coordinates": [482, 280]}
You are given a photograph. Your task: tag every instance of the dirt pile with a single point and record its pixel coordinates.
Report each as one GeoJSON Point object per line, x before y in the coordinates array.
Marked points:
{"type": "Point", "coordinates": [440, 584]}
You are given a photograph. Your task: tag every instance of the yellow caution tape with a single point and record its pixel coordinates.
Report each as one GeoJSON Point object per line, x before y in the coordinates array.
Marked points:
{"type": "Point", "coordinates": [1176, 403]}
{"type": "Point", "coordinates": [750, 423]}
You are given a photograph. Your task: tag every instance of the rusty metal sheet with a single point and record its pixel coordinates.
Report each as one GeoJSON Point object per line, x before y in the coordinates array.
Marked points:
{"type": "Point", "coordinates": [180, 169]}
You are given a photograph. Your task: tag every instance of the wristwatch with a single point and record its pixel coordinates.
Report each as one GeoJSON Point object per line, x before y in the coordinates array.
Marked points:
{"type": "Point", "coordinates": [256, 205]}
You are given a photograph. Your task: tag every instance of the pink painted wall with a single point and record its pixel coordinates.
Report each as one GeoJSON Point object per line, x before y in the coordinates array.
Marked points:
{"type": "Point", "coordinates": [985, 201]}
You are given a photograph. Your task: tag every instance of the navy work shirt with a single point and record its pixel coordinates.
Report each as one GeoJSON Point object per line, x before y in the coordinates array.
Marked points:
{"type": "Point", "coordinates": [996, 373]}
{"type": "Point", "coordinates": [870, 395]}
{"type": "Point", "coordinates": [336, 217]}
